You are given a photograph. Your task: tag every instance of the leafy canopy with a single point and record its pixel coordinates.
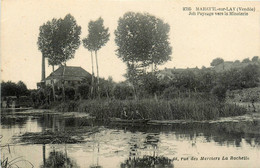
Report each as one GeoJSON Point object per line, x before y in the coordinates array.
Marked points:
{"type": "Point", "coordinates": [59, 39]}
{"type": "Point", "coordinates": [255, 59]}
{"type": "Point", "coordinates": [142, 38]}
{"type": "Point", "coordinates": [216, 61]}
{"type": "Point", "coordinates": [246, 60]}
{"type": "Point", "coordinates": [98, 35]}
{"type": "Point", "coordinates": [13, 89]}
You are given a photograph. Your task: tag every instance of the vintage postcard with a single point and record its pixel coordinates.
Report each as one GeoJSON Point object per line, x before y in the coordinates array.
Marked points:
{"type": "Point", "coordinates": [130, 83]}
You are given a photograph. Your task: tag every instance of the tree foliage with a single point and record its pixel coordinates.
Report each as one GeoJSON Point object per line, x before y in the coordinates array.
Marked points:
{"type": "Point", "coordinates": [255, 59]}
{"type": "Point", "coordinates": [106, 87]}
{"type": "Point", "coordinates": [123, 91]}
{"type": "Point", "coordinates": [216, 61]}
{"type": "Point", "coordinates": [142, 38]}
{"type": "Point", "coordinates": [59, 39]}
{"type": "Point", "coordinates": [10, 88]}
{"type": "Point", "coordinates": [246, 60]}
{"type": "Point", "coordinates": [250, 76]}
{"type": "Point", "coordinates": [98, 35]}
{"type": "Point", "coordinates": [150, 83]}
{"type": "Point", "coordinates": [220, 92]}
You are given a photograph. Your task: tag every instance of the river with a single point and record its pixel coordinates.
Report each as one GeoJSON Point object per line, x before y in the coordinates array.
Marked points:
{"type": "Point", "coordinates": [208, 144]}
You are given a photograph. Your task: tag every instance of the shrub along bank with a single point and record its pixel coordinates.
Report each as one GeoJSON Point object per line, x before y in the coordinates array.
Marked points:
{"type": "Point", "coordinates": [179, 108]}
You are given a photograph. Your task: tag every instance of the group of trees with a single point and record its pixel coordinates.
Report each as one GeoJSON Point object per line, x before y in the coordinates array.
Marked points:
{"type": "Point", "coordinates": [207, 80]}
{"type": "Point", "coordinates": [181, 83]}
{"type": "Point", "coordinates": [142, 44]}
{"type": "Point", "coordinates": [142, 40]}
{"type": "Point", "coordinates": [14, 89]}
{"type": "Point", "coordinates": [217, 61]}
{"type": "Point", "coordinates": [58, 41]}
{"type": "Point", "coordinates": [97, 37]}
{"type": "Point", "coordinates": [185, 82]}
{"type": "Point", "coordinates": [255, 59]}
{"type": "Point", "coordinates": [60, 38]}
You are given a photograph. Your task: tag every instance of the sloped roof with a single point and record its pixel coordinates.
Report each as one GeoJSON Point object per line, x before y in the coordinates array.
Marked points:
{"type": "Point", "coordinates": [70, 73]}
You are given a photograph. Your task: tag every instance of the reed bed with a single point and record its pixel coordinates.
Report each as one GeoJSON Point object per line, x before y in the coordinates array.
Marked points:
{"type": "Point", "coordinates": [179, 108]}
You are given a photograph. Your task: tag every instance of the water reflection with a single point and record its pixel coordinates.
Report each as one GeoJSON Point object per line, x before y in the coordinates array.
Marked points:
{"type": "Point", "coordinates": [128, 146]}
{"type": "Point", "coordinates": [147, 161]}
{"type": "Point", "coordinates": [10, 121]}
{"type": "Point", "coordinates": [229, 133]}
{"type": "Point", "coordinates": [57, 159]}
{"type": "Point", "coordinates": [148, 145]}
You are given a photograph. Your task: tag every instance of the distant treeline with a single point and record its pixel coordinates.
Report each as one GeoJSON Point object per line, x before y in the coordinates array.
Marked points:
{"type": "Point", "coordinates": [209, 81]}
{"type": "Point", "coordinates": [165, 84]}
{"type": "Point", "coordinates": [14, 89]}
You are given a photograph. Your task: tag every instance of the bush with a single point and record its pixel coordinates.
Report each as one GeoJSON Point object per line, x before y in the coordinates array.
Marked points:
{"type": "Point", "coordinates": [170, 92]}
{"type": "Point", "coordinates": [122, 91]}
{"type": "Point", "coordinates": [216, 61]}
{"type": "Point", "coordinates": [220, 92]}
{"type": "Point", "coordinates": [83, 90]}
{"type": "Point", "coordinates": [70, 93]}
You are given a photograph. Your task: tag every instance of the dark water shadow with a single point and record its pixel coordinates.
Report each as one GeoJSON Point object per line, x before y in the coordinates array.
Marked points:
{"type": "Point", "coordinates": [228, 133]}
{"type": "Point", "coordinates": [57, 159]}
{"type": "Point", "coordinates": [147, 161]}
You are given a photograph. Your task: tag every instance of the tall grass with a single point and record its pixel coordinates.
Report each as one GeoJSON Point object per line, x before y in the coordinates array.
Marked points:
{"type": "Point", "coordinates": [8, 162]}
{"type": "Point", "coordinates": [178, 108]}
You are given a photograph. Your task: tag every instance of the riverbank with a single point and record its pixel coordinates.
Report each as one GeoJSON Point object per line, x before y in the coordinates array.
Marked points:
{"type": "Point", "coordinates": [175, 109]}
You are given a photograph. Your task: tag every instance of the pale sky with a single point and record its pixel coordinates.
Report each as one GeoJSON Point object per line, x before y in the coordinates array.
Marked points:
{"type": "Point", "coordinates": [196, 40]}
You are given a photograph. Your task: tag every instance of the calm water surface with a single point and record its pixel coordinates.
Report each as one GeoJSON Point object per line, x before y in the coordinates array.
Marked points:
{"type": "Point", "coordinates": [126, 145]}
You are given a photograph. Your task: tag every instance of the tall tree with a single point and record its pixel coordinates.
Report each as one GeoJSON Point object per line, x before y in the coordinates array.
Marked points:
{"type": "Point", "coordinates": [59, 39]}
{"type": "Point", "coordinates": [88, 45]}
{"type": "Point", "coordinates": [44, 41]}
{"type": "Point", "coordinates": [98, 36]}
{"type": "Point", "coordinates": [142, 40]}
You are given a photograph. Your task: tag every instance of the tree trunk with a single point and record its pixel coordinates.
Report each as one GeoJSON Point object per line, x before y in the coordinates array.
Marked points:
{"type": "Point", "coordinates": [52, 82]}
{"type": "Point", "coordinates": [98, 91]}
{"type": "Point", "coordinates": [92, 78]}
{"type": "Point", "coordinates": [133, 80]}
{"type": "Point", "coordinates": [63, 81]}
{"type": "Point", "coordinates": [44, 155]}
{"type": "Point", "coordinates": [43, 68]}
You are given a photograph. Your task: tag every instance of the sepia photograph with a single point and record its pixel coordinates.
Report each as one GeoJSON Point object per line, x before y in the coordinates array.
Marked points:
{"type": "Point", "coordinates": [130, 84]}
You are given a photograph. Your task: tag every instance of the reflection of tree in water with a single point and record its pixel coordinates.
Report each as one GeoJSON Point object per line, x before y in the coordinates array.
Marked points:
{"type": "Point", "coordinates": [224, 133]}
{"type": "Point", "coordinates": [11, 121]}
{"type": "Point", "coordinates": [150, 142]}
{"type": "Point", "coordinates": [147, 161]}
{"type": "Point", "coordinates": [228, 133]}
{"type": "Point", "coordinates": [56, 122]}
{"type": "Point", "coordinates": [52, 122]}
{"type": "Point", "coordinates": [95, 166]}
{"type": "Point", "coordinates": [58, 159]}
